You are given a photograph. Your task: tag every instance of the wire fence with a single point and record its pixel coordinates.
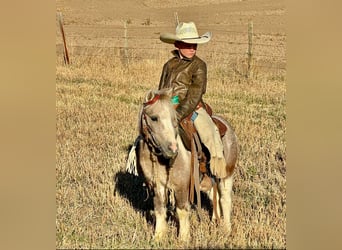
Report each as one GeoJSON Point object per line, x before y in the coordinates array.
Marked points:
{"type": "Point", "coordinates": [268, 50]}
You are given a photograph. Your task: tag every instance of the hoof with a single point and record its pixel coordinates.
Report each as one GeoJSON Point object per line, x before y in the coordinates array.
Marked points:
{"type": "Point", "coordinates": [185, 237]}
{"type": "Point", "coordinates": [158, 236]}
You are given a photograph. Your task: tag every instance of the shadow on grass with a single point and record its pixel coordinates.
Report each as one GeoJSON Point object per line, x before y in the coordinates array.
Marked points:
{"type": "Point", "coordinates": [132, 188]}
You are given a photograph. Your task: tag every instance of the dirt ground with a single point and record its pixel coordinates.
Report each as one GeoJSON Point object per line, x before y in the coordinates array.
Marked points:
{"type": "Point", "coordinates": [267, 15]}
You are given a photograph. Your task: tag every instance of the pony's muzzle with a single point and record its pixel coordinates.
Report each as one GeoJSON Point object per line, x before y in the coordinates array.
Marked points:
{"type": "Point", "coordinates": [172, 150]}
{"type": "Point", "coordinates": [173, 147]}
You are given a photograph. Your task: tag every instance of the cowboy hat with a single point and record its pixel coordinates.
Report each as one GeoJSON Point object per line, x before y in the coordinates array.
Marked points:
{"type": "Point", "coordinates": [187, 33]}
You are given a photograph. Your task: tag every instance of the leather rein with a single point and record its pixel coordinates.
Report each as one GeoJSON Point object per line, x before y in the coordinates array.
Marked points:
{"type": "Point", "coordinates": [149, 137]}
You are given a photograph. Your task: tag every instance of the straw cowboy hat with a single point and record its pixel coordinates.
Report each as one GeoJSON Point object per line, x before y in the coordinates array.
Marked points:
{"type": "Point", "coordinates": [187, 33]}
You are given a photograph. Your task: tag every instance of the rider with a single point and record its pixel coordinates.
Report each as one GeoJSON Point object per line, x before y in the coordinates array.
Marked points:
{"type": "Point", "coordinates": [186, 73]}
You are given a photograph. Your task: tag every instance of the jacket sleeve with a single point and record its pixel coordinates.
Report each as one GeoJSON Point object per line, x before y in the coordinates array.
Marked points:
{"type": "Point", "coordinates": [194, 95]}
{"type": "Point", "coordinates": [163, 77]}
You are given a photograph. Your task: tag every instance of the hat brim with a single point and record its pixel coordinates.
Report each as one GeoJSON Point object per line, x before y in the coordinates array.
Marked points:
{"type": "Point", "coordinates": [171, 38]}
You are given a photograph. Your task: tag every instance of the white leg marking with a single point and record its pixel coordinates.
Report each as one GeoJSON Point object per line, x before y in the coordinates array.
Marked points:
{"type": "Point", "coordinates": [225, 190]}
{"type": "Point", "coordinates": [184, 227]}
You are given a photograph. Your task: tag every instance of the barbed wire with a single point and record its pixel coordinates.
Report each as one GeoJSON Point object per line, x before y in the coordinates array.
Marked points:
{"type": "Point", "coordinates": [155, 39]}
{"type": "Point", "coordinates": [120, 27]}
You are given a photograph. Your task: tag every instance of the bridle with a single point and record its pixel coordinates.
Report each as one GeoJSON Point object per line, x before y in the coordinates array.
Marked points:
{"type": "Point", "coordinates": [147, 132]}
{"type": "Point", "coordinates": [149, 137]}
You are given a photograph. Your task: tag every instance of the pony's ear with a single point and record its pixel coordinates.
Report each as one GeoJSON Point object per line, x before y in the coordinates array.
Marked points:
{"type": "Point", "coordinates": [169, 92]}
{"type": "Point", "coordinates": [150, 95]}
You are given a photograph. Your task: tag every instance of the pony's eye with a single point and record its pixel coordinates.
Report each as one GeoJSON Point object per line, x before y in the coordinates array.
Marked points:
{"type": "Point", "coordinates": [154, 118]}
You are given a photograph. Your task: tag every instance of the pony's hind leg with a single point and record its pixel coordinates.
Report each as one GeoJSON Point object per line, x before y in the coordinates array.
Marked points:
{"type": "Point", "coordinates": [225, 193]}
{"type": "Point", "coordinates": [159, 201]}
{"type": "Point", "coordinates": [217, 205]}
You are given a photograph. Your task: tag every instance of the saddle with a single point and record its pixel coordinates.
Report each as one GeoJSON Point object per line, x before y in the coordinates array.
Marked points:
{"type": "Point", "coordinates": [201, 178]}
{"type": "Point", "coordinates": [187, 128]}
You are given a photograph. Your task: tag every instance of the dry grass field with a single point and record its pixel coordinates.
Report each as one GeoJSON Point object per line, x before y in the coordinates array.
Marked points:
{"type": "Point", "coordinates": [98, 204]}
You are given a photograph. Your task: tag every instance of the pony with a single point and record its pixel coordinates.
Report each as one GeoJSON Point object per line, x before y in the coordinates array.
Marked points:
{"type": "Point", "coordinates": [165, 164]}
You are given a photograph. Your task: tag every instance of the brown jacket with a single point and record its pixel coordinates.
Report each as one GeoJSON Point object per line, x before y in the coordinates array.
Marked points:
{"type": "Point", "coordinates": [188, 78]}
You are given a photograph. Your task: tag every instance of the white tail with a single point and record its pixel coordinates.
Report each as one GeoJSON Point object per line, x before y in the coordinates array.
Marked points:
{"type": "Point", "coordinates": [131, 165]}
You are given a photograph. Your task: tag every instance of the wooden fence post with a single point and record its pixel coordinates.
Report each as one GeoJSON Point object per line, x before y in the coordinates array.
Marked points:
{"type": "Point", "coordinates": [176, 19]}
{"type": "Point", "coordinates": [65, 50]}
{"type": "Point", "coordinates": [250, 45]}
{"type": "Point", "coordinates": [125, 44]}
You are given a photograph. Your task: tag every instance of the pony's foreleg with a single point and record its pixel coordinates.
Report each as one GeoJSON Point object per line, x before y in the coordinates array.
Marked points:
{"type": "Point", "coordinates": [184, 226]}
{"type": "Point", "coordinates": [182, 211]}
{"type": "Point", "coordinates": [225, 191]}
{"type": "Point", "coordinates": [160, 212]}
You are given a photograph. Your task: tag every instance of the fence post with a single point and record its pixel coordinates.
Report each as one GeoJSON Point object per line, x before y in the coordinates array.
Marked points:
{"type": "Point", "coordinates": [176, 19]}
{"type": "Point", "coordinates": [250, 45]}
{"type": "Point", "coordinates": [65, 50]}
{"type": "Point", "coordinates": [125, 43]}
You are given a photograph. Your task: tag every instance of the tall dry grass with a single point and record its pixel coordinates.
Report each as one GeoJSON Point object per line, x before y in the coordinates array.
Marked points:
{"type": "Point", "coordinates": [100, 206]}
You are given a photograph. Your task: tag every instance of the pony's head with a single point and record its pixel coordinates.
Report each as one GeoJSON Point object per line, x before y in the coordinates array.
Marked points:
{"type": "Point", "coordinates": [158, 123]}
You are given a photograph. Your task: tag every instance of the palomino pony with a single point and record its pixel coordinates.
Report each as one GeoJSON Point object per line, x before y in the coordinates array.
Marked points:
{"type": "Point", "coordinates": [165, 164]}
